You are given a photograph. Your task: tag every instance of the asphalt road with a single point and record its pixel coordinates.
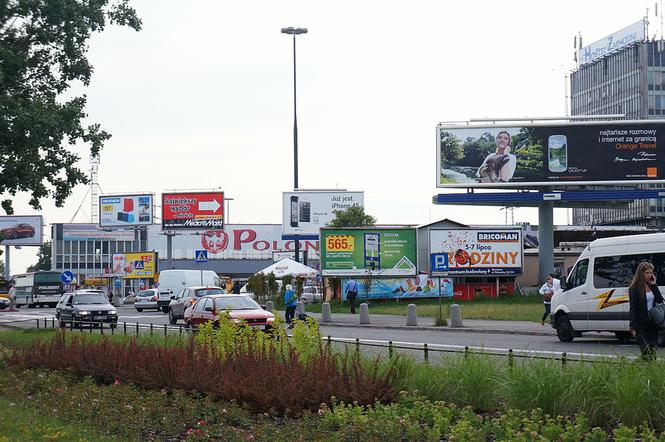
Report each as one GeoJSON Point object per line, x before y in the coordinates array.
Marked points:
{"type": "Point", "coordinates": [591, 343]}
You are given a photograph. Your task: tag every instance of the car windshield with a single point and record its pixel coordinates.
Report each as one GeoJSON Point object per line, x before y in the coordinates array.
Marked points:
{"type": "Point", "coordinates": [236, 303]}
{"type": "Point", "coordinates": [90, 298]}
{"type": "Point", "coordinates": [206, 292]}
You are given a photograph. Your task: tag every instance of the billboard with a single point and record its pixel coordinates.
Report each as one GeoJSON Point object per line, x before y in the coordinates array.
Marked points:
{"type": "Point", "coordinates": [617, 152]}
{"type": "Point", "coordinates": [194, 210]}
{"type": "Point", "coordinates": [368, 251]}
{"type": "Point", "coordinates": [92, 232]}
{"type": "Point", "coordinates": [419, 286]}
{"type": "Point", "coordinates": [134, 265]}
{"type": "Point", "coordinates": [236, 241]}
{"type": "Point", "coordinates": [304, 213]}
{"type": "Point", "coordinates": [476, 252]}
{"type": "Point", "coordinates": [125, 210]}
{"type": "Point", "coordinates": [620, 39]}
{"type": "Point", "coordinates": [21, 230]}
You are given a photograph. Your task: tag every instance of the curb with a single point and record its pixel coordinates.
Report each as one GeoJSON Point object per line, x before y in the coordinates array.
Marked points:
{"type": "Point", "coordinates": [438, 329]}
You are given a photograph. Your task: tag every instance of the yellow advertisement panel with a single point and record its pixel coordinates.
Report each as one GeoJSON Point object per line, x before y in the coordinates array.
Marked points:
{"type": "Point", "coordinates": [135, 265]}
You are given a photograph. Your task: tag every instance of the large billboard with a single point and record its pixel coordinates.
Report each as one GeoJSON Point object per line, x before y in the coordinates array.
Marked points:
{"type": "Point", "coordinates": [368, 251]}
{"type": "Point", "coordinates": [21, 230]}
{"type": "Point", "coordinates": [476, 252]}
{"type": "Point", "coordinates": [419, 286]}
{"type": "Point", "coordinates": [629, 35]}
{"type": "Point", "coordinates": [125, 210]}
{"type": "Point", "coordinates": [617, 152]}
{"type": "Point", "coordinates": [134, 265]}
{"type": "Point", "coordinates": [193, 210]}
{"type": "Point", "coordinates": [304, 213]}
{"type": "Point", "coordinates": [236, 241]}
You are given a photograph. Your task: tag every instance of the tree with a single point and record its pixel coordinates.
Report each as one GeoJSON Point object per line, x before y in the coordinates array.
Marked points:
{"type": "Point", "coordinates": [451, 149]}
{"type": "Point", "coordinates": [43, 48]}
{"type": "Point", "coordinates": [43, 258]}
{"type": "Point", "coordinates": [354, 216]}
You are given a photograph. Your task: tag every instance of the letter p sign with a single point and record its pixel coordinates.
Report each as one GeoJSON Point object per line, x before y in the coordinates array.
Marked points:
{"type": "Point", "coordinates": [439, 262]}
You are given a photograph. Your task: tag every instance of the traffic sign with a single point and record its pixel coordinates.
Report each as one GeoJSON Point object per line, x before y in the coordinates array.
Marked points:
{"type": "Point", "coordinates": [67, 277]}
{"type": "Point", "coordinates": [201, 255]}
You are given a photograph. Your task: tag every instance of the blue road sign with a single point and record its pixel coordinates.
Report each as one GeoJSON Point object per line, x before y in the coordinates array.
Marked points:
{"type": "Point", "coordinates": [439, 262]}
{"type": "Point", "coordinates": [67, 277]}
{"type": "Point", "coordinates": [201, 255]}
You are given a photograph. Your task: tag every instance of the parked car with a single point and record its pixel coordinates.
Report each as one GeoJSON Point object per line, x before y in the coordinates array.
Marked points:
{"type": "Point", "coordinates": [20, 230]}
{"type": "Point", "coordinates": [146, 300]}
{"type": "Point", "coordinates": [311, 294]}
{"type": "Point", "coordinates": [241, 308]}
{"type": "Point", "coordinates": [85, 306]}
{"type": "Point", "coordinates": [186, 298]}
{"type": "Point", "coordinates": [4, 303]}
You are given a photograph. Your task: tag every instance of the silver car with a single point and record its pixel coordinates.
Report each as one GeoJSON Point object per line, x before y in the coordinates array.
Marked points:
{"type": "Point", "coordinates": [146, 300]}
{"type": "Point", "coordinates": [311, 294]}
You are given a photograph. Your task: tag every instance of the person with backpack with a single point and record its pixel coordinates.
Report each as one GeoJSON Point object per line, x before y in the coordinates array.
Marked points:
{"type": "Point", "coordinates": [351, 291]}
{"type": "Point", "coordinates": [290, 301]}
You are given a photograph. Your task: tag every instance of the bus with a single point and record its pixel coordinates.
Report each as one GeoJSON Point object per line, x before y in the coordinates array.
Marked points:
{"type": "Point", "coordinates": [43, 288]}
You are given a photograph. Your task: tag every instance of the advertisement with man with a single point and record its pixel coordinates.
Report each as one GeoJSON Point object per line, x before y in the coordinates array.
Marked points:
{"type": "Point", "coordinates": [368, 251]}
{"type": "Point", "coordinates": [21, 230]}
{"type": "Point", "coordinates": [476, 252]}
{"type": "Point", "coordinates": [615, 152]}
{"type": "Point", "coordinates": [134, 265]}
{"type": "Point", "coordinates": [304, 213]}
{"type": "Point", "coordinates": [125, 210]}
{"type": "Point", "coordinates": [419, 286]}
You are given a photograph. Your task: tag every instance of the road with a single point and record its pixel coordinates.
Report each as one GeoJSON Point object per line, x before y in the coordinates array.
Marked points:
{"type": "Point", "coordinates": [591, 343]}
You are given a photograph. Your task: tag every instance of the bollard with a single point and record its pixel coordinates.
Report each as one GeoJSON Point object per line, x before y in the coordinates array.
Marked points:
{"type": "Point", "coordinates": [511, 357]}
{"type": "Point", "coordinates": [357, 345]}
{"type": "Point", "coordinates": [37, 322]}
{"type": "Point", "coordinates": [456, 316]}
{"type": "Point", "coordinates": [101, 327]}
{"type": "Point", "coordinates": [151, 329]}
{"type": "Point", "coordinates": [45, 323]}
{"type": "Point", "coordinates": [411, 315]}
{"type": "Point", "coordinates": [329, 345]}
{"type": "Point", "coordinates": [52, 322]}
{"type": "Point", "coordinates": [300, 307]}
{"type": "Point", "coordinates": [270, 306]}
{"type": "Point", "coordinates": [426, 351]}
{"type": "Point", "coordinates": [326, 312]}
{"type": "Point", "coordinates": [563, 359]}
{"type": "Point", "coordinates": [124, 327]}
{"type": "Point", "coordinates": [466, 351]}
{"type": "Point", "coordinates": [390, 349]}
{"type": "Point", "coordinates": [180, 330]}
{"type": "Point", "coordinates": [364, 313]}
{"type": "Point", "coordinates": [112, 329]}
{"type": "Point", "coordinates": [137, 328]}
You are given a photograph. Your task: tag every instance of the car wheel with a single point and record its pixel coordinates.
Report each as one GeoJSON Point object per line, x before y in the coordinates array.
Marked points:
{"type": "Point", "coordinates": [165, 309]}
{"type": "Point", "coordinates": [564, 329]}
{"type": "Point", "coordinates": [172, 319]}
{"type": "Point", "coordinates": [139, 309]}
{"type": "Point", "coordinates": [623, 335]}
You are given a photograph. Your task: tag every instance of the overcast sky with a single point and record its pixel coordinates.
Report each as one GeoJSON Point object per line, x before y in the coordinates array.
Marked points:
{"type": "Point", "coordinates": [202, 97]}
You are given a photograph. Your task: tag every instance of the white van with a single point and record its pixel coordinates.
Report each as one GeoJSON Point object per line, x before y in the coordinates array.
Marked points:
{"type": "Point", "coordinates": [172, 281]}
{"type": "Point", "coordinates": [594, 296]}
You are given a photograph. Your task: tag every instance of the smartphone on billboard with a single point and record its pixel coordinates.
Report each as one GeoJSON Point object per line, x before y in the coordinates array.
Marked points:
{"type": "Point", "coordinates": [557, 153]}
{"type": "Point", "coordinates": [294, 211]}
{"type": "Point", "coordinates": [305, 211]}
{"type": "Point", "coordinates": [372, 251]}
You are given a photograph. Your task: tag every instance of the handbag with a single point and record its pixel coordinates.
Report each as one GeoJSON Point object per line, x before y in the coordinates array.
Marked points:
{"type": "Point", "coordinates": [547, 297]}
{"type": "Point", "coordinates": [657, 315]}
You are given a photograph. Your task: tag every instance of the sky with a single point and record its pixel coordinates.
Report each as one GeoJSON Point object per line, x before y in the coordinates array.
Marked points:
{"type": "Point", "coordinates": [202, 97]}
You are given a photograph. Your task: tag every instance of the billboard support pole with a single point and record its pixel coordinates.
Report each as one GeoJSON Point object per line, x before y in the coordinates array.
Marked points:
{"type": "Point", "coordinates": [7, 271]}
{"type": "Point", "coordinates": [545, 238]}
{"type": "Point", "coordinates": [169, 250]}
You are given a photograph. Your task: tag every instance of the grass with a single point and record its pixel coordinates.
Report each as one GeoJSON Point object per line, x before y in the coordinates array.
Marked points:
{"type": "Point", "coordinates": [522, 308]}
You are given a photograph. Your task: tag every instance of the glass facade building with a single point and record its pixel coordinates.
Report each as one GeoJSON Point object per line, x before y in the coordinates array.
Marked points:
{"type": "Point", "coordinates": [630, 81]}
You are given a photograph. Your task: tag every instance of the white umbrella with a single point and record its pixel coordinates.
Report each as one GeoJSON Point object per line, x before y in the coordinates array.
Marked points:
{"type": "Point", "coordinates": [287, 266]}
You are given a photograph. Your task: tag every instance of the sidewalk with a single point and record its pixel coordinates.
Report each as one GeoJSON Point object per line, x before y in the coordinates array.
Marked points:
{"type": "Point", "coordinates": [396, 322]}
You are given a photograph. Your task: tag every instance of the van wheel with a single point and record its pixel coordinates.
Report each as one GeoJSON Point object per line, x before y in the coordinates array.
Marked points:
{"type": "Point", "coordinates": [623, 335]}
{"type": "Point", "coordinates": [564, 329]}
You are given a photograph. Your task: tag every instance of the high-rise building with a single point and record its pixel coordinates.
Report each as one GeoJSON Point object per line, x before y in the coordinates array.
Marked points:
{"type": "Point", "coordinates": [623, 73]}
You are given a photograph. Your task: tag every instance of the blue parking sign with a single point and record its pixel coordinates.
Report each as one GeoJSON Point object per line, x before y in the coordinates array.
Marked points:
{"type": "Point", "coordinates": [439, 262]}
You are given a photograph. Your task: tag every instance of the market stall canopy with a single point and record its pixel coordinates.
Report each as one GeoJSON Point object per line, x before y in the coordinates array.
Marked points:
{"type": "Point", "coordinates": [287, 266]}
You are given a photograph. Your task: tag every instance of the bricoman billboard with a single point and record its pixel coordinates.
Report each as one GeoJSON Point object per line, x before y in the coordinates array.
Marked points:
{"type": "Point", "coordinates": [576, 153]}
{"type": "Point", "coordinates": [475, 252]}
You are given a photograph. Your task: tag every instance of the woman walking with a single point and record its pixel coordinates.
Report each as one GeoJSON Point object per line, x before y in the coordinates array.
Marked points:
{"type": "Point", "coordinates": [643, 294]}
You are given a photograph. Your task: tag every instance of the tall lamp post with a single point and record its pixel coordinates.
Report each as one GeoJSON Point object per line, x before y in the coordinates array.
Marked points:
{"type": "Point", "coordinates": [294, 32]}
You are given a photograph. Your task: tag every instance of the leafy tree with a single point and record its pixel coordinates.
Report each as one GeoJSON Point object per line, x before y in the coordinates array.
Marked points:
{"type": "Point", "coordinates": [354, 216]}
{"type": "Point", "coordinates": [258, 284]}
{"type": "Point", "coordinates": [43, 258]}
{"type": "Point", "coordinates": [43, 50]}
{"type": "Point", "coordinates": [476, 149]}
{"type": "Point", "coordinates": [451, 149]}
{"type": "Point", "coordinates": [529, 151]}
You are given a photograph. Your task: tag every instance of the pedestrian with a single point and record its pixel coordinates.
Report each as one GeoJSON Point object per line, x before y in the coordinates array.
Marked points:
{"type": "Point", "coordinates": [547, 291]}
{"type": "Point", "coordinates": [236, 288]}
{"type": "Point", "coordinates": [12, 297]}
{"type": "Point", "coordinates": [110, 296]}
{"type": "Point", "coordinates": [290, 301]}
{"type": "Point", "coordinates": [351, 291]}
{"type": "Point", "coordinates": [643, 294]}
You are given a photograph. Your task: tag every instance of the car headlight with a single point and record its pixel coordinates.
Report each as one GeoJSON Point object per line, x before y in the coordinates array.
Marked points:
{"type": "Point", "coordinates": [270, 319]}
{"type": "Point", "coordinates": [113, 312]}
{"type": "Point", "coordinates": [83, 312]}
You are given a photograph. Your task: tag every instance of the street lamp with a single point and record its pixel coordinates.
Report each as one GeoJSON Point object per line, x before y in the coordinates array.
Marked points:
{"type": "Point", "coordinates": [294, 32]}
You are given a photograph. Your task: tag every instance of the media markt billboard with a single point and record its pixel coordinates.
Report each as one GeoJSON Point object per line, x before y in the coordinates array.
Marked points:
{"type": "Point", "coordinates": [305, 212]}
{"type": "Point", "coordinates": [134, 265]}
{"type": "Point", "coordinates": [616, 152]}
{"type": "Point", "coordinates": [21, 230]}
{"type": "Point", "coordinates": [367, 251]}
{"type": "Point", "coordinates": [125, 210]}
{"type": "Point", "coordinates": [193, 211]}
{"type": "Point", "coordinates": [476, 252]}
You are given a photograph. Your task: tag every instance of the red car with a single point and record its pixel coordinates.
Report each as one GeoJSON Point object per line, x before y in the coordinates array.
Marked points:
{"type": "Point", "coordinates": [21, 230]}
{"type": "Point", "coordinates": [241, 308]}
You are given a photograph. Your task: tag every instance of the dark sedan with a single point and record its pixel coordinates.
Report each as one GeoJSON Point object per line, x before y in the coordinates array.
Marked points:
{"type": "Point", "coordinates": [85, 306]}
